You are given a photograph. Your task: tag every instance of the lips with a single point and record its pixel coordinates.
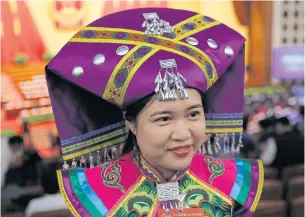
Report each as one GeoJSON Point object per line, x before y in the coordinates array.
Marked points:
{"type": "Point", "coordinates": [181, 150]}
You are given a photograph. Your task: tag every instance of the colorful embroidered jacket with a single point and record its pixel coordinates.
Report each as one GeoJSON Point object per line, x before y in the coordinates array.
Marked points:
{"type": "Point", "coordinates": [121, 188]}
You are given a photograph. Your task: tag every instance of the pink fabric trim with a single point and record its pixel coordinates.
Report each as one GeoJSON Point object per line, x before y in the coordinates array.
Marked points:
{"type": "Point", "coordinates": [129, 174]}
{"type": "Point", "coordinates": [224, 182]}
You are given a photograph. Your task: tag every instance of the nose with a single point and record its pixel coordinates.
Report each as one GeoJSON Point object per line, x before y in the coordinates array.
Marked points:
{"type": "Point", "coordinates": [181, 132]}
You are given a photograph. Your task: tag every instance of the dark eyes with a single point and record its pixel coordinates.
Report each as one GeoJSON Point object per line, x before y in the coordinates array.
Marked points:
{"type": "Point", "coordinates": [194, 114]}
{"type": "Point", "coordinates": [191, 115]}
{"type": "Point", "coordinates": [163, 119]}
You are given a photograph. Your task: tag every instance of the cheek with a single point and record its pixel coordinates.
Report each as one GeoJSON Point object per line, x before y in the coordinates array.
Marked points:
{"type": "Point", "coordinates": [198, 131]}
{"type": "Point", "coordinates": [151, 137]}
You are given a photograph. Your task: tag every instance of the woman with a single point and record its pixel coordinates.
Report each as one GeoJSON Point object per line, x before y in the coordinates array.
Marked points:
{"type": "Point", "coordinates": [135, 97]}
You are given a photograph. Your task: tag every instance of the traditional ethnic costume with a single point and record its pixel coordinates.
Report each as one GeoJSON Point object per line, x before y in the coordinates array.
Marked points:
{"type": "Point", "coordinates": [116, 61]}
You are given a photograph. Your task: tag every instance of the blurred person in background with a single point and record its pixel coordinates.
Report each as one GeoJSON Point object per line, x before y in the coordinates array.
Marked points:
{"type": "Point", "coordinates": [14, 172]}
{"type": "Point", "coordinates": [286, 148]}
{"type": "Point", "coordinates": [51, 200]}
{"type": "Point", "coordinates": [249, 149]}
{"type": "Point", "coordinates": [300, 123]}
{"type": "Point", "coordinates": [22, 172]}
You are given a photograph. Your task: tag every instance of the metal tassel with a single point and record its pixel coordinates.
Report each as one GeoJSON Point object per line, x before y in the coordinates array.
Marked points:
{"type": "Point", "coordinates": [233, 144]}
{"type": "Point", "coordinates": [91, 160]}
{"type": "Point", "coordinates": [226, 144]}
{"type": "Point", "coordinates": [106, 155]}
{"type": "Point", "coordinates": [74, 163]}
{"type": "Point", "coordinates": [240, 143]}
{"type": "Point", "coordinates": [216, 143]}
{"type": "Point", "coordinates": [202, 149]}
{"type": "Point", "coordinates": [65, 166]}
{"type": "Point", "coordinates": [98, 158]}
{"type": "Point", "coordinates": [83, 162]}
{"type": "Point", "coordinates": [210, 152]}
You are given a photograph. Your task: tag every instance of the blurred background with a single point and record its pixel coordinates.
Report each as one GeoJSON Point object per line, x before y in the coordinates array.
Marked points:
{"type": "Point", "coordinates": [33, 32]}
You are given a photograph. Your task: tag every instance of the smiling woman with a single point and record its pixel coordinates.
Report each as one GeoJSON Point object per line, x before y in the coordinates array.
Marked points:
{"type": "Point", "coordinates": [139, 112]}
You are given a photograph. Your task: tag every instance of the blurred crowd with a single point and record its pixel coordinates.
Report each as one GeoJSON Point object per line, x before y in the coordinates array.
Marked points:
{"type": "Point", "coordinates": [30, 184]}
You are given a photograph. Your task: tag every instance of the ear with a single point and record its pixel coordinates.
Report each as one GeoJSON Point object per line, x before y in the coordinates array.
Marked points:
{"type": "Point", "coordinates": [131, 126]}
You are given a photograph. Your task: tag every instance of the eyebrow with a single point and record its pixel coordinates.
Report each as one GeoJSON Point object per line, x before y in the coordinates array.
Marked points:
{"type": "Point", "coordinates": [169, 112]}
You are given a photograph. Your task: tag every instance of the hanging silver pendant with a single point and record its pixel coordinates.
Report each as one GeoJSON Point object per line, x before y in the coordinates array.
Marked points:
{"type": "Point", "coordinates": [154, 25]}
{"type": "Point", "coordinates": [226, 144]}
{"type": "Point", "coordinates": [98, 158]}
{"type": "Point", "coordinates": [82, 162]}
{"type": "Point", "coordinates": [65, 166]}
{"type": "Point", "coordinates": [74, 163]}
{"type": "Point", "coordinates": [240, 143]}
{"type": "Point", "coordinates": [91, 160]}
{"type": "Point", "coordinates": [217, 146]}
{"type": "Point", "coordinates": [210, 152]}
{"type": "Point", "coordinates": [168, 191]}
{"type": "Point", "coordinates": [233, 144]}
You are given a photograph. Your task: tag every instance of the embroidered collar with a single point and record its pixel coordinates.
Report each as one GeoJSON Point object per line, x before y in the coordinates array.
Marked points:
{"type": "Point", "coordinates": [152, 174]}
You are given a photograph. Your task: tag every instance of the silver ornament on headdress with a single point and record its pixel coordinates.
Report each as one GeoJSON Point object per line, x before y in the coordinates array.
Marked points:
{"type": "Point", "coordinates": [166, 87]}
{"type": "Point", "coordinates": [154, 25]}
{"type": "Point", "coordinates": [65, 166]}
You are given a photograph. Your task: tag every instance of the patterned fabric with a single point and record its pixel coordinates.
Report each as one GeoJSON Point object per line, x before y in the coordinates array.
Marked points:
{"type": "Point", "coordinates": [152, 174]}
{"type": "Point", "coordinates": [81, 102]}
{"type": "Point", "coordinates": [215, 166]}
{"type": "Point", "coordinates": [87, 198]}
{"type": "Point", "coordinates": [130, 63]}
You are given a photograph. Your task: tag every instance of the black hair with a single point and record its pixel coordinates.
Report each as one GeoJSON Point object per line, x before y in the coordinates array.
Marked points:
{"type": "Point", "coordinates": [15, 140]}
{"type": "Point", "coordinates": [56, 142]}
{"type": "Point", "coordinates": [49, 181]}
{"type": "Point", "coordinates": [131, 114]}
{"type": "Point", "coordinates": [301, 110]}
{"type": "Point", "coordinates": [284, 121]}
{"type": "Point", "coordinates": [245, 122]}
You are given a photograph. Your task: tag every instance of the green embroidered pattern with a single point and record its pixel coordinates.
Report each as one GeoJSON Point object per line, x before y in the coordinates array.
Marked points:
{"type": "Point", "coordinates": [115, 87]}
{"type": "Point", "coordinates": [199, 197]}
{"type": "Point", "coordinates": [113, 177]}
{"type": "Point", "coordinates": [224, 123]}
{"type": "Point", "coordinates": [216, 167]}
{"type": "Point", "coordinates": [140, 203]}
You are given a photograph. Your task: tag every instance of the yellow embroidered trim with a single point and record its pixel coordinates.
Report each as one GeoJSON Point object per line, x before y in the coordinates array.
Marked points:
{"type": "Point", "coordinates": [97, 139]}
{"type": "Point", "coordinates": [260, 186]}
{"type": "Point", "coordinates": [95, 148]}
{"type": "Point", "coordinates": [117, 67]}
{"type": "Point", "coordinates": [154, 206]}
{"type": "Point", "coordinates": [64, 194]}
{"type": "Point", "coordinates": [126, 197]}
{"type": "Point", "coordinates": [224, 130]}
{"type": "Point", "coordinates": [187, 20]}
{"type": "Point", "coordinates": [215, 23]}
{"type": "Point", "coordinates": [180, 36]}
{"type": "Point", "coordinates": [208, 187]}
{"type": "Point", "coordinates": [132, 73]}
{"type": "Point", "coordinates": [191, 58]}
{"type": "Point", "coordinates": [112, 40]}
{"type": "Point", "coordinates": [122, 61]}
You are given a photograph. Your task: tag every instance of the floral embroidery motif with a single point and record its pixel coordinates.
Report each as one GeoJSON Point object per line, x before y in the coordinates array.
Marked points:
{"type": "Point", "coordinates": [113, 177]}
{"type": "Point", "coordinates": [203, 197]}
{"type": "Point", "coordinates": [139, 202]}
{"type": "Point", "coordinates": [216, 167]}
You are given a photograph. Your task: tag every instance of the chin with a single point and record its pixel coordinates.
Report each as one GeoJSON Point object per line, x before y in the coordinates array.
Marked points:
{"type": "Point", "coordinates": [182, 163]}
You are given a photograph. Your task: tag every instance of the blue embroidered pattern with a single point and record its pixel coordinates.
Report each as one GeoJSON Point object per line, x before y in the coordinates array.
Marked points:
{"type": "Point", "coordinates": [91, 134]}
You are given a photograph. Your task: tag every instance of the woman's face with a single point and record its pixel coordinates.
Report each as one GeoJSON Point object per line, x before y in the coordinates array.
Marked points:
{"type": "Point", "coordinates": [169, 133]}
